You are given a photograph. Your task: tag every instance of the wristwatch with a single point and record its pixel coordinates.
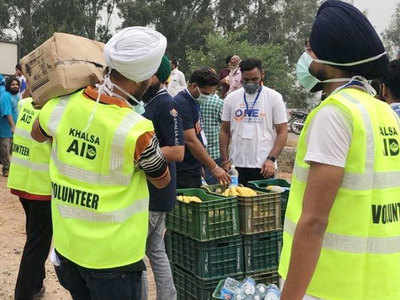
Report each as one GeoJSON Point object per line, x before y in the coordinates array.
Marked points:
{"type": "Point", "coordinates": [271, 158]}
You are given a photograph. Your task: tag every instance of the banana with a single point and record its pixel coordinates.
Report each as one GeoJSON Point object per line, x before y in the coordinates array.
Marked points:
{"type": "Point", "coordinates": [189, 199]}
{"type": "Point", "coordinates": [246, 192]}
{"type": "Point", "coordinates": [239, 191]}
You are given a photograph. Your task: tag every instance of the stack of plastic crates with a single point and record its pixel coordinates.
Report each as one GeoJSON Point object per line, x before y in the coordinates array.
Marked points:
{"type": "Point", "coordinates": [203, 243]}
{"type": "Point", "coordinates": [261, 233]}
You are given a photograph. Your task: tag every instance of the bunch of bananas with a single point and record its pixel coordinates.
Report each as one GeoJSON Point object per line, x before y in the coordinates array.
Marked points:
{"type": "Point", "coordinates": [188, 199]}
{"type": "Point", "coordinates": [239, 191]}
{"type": "Point", "coordinates": [275, 188]}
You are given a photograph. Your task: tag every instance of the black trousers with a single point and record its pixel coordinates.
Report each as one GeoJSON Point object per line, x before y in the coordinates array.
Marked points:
{"type": "Point", "coordinates": [89, 284]}
{"type": "Point", "coordinates": [38, 240]}
{"type": "Point", "coordinates": [186, 180]}
{"type": "Point", "coordinates": [249, 174]}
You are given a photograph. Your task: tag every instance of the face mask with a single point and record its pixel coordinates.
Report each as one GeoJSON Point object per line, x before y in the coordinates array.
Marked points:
{"type": "Point", "coordinates": [202, 97]}
{"type": "Point", "coordinates": [308, 81]}
{"type": "Point", "coordinates": [107, 88]}
{"type": "Point", "coordinates": [251, 87]}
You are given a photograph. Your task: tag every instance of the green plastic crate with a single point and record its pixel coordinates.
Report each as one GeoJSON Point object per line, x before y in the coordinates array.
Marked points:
{"type": "Point", "coordinates": [260, 185]}
{"type": "Point", "coordinates": [265, 277]}
{"type": "Point", "coordinates": [206, 260]}
{"type": "Point", "coordinates": [257, 214]}
{"type": "Point", "coordinates": [189, 287]}
{"type": "Point", "coordinates": [216, 217]}
{"type": "Point", "coordinates": [262, 251]}
{"type": "Point", "coordinates": [261, 213]}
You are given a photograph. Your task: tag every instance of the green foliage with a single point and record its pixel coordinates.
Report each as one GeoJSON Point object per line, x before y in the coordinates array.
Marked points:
{"type": "Point", "coordinates": [279, 75]}
{"type": "Point", "coordinates": [185, 23]}
{"type": "Point", "coordinates": [391, 36]}
{"type": "Point", "coordinates": [34, 21]}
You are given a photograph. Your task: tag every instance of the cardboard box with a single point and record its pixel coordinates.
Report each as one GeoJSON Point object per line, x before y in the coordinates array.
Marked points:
{"type": "Point", "coordinates": [62, 65]}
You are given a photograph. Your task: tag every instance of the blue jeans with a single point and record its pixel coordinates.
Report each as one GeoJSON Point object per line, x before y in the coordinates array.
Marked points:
{"type": "Point", "coordinates": [89, 284]}
{"type": "Point", "coordinates": [155, 251]}
{"type": "Point", "coordinates": [209, 177]}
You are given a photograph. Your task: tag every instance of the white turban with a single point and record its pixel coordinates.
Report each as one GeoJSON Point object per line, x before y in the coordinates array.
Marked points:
{"type": "Point", "coordinates": [135, 52]}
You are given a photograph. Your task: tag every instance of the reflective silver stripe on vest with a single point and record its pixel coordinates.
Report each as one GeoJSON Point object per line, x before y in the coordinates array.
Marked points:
{"type": "Point", "coordinates": [56, 115]}
{"type": "Point", "coordinates": [353, 244]}
{"type": "Point", "coordinates": [118, 143]}
{"type": "Point", "coordinates": [116, 176]}
{"type": "Point", "coordinates": [23, 133]}
{"type": "Point", "coordinates": [369, 179]}
{"type": "Point", "coordinates": [41, 167]}
{"type": "Point", "coordinates": [370, 142]}
{"type": "Point", "coordinates": [118, 216]}
{"type": "Point", "coordinates": [358, 182]}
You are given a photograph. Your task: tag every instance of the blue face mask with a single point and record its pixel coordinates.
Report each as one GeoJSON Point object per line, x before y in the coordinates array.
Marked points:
{"type": "Point", "coordinates": [139, 108]}
{"type": "Point", "coordinates": [303, 74]}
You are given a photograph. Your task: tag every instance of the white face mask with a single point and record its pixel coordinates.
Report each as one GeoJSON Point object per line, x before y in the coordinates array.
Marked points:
{"type": "Point", "coordinates": [107, 88]}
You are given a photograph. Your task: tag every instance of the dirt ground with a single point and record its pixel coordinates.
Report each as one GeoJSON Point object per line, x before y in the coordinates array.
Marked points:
{"type": "Point", "coordinates": [12, 239]}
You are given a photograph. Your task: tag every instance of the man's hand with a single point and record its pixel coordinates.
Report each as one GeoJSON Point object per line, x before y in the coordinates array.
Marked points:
{"type": "Point", "coordinates": [221, 175]}
{"type": "Point", "coordinates": [12, 129]}
{"type": "Point", "coordinates": [268, 169]}
{"type": "Point", "coordinates": [226, 165]}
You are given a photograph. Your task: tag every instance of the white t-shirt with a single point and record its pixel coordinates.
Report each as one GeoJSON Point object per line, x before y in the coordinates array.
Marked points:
{"type": "Point", "coordinates": [177, 82]}
{"type": "Point", "coordinates": [252, 130]}
{"type": "Point", "coordinates": [329, 137]}
{"type": "Point", "coordinates": [328, 140]}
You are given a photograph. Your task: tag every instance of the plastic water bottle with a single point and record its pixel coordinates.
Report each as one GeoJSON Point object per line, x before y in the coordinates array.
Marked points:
{"type": "Point", "coordinates": [261, 290]}
{"type": "Point", "coordinates": [231, 287]}
{"type": "Point", "coordinates": [273, 293]}
{"type": "Point", "coordinates": [234, 176]}
{"type": "Point", "coordinates": [248, 287]}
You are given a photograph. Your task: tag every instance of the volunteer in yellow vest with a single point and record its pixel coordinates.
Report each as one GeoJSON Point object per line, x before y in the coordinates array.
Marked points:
{"type": "Point", "coordinates": [342, 225]}
{"type": "Point", "coordinates": [102, 151]}
{"type": "Point", "coordinates": [29, 180]}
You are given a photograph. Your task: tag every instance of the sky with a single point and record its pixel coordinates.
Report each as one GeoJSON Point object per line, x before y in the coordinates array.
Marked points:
{"type": "Point", "coordinates": [379, 11]}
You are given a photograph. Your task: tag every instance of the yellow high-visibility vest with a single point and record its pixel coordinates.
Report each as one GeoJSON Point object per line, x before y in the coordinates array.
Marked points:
{"type": "Point", "coordinates": [29, 168]}
{"type": "Point", "coordinates": [100, 200]}
{"type": "Point", "coordinates": [360, 256]}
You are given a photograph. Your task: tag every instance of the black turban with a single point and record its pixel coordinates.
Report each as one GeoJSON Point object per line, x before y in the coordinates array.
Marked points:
{"type": "Point", "coordinates": [342, 34]}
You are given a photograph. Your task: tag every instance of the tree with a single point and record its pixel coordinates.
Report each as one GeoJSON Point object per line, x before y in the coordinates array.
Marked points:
{"type": "Point", "coordinates": [391, 36]}
{"type": "Point", "coordinates": [185, 23]}
{"type": "Point", "coordinates": [34, 21]}
{"type": "Point", "coordinates": [297, 21]}
{"type": "Point", "coordinates": [278, 73]}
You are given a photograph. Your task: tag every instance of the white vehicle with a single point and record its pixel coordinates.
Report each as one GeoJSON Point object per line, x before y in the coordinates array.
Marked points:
{"type": "Point", "coordinates": [8, 57]}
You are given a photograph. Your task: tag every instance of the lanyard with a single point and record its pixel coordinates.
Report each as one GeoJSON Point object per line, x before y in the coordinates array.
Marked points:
{"type": "Point", "coordinates": [363, 84]}
{"type": "Point", "coordinates": [254, 103]}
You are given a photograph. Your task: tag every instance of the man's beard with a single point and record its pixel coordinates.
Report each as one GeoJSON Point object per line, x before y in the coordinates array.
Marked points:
{"type": "Point", "coordinates": [14, 92]}
{"type": "Point", "coordinates": [151, 92]}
